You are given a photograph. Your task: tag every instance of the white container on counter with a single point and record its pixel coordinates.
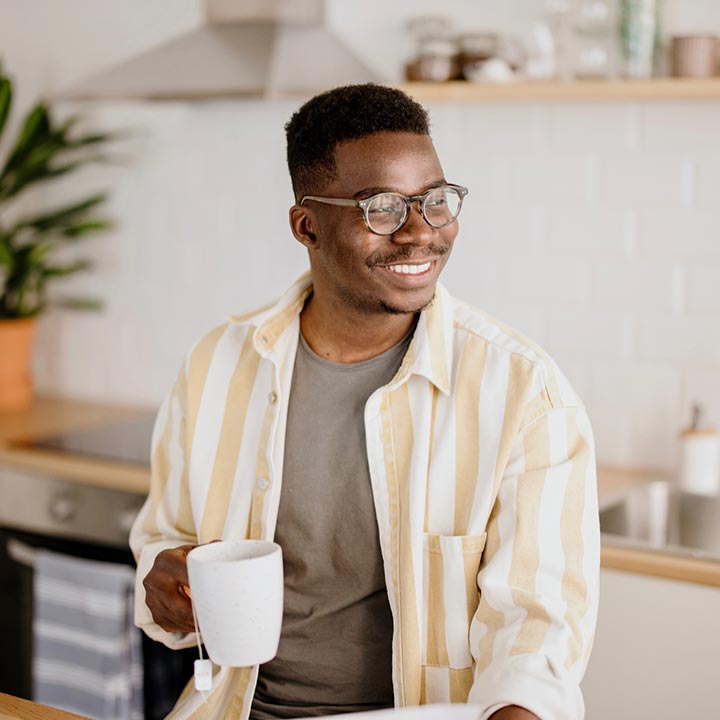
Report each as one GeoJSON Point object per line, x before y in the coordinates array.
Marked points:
{"type": "Point", "coordinates": [700, 468]}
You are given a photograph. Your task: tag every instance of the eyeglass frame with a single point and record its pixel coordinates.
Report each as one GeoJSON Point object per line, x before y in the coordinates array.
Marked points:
{"type": "Point", "coordinates": [363, 204]}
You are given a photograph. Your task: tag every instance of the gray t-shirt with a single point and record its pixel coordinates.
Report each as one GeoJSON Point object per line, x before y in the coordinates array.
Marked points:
{"type": "Point", "coordinates": [335, 651]}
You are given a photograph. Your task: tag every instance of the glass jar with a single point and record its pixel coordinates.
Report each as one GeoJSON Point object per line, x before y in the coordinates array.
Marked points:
{"type": "Point", "coordinates": [435, 58]}
{"type": "Point", "coordinates": [436, 61]}
{"type": "Point", "coordinates": [594, 39]}
{"type": "Point", "coordinates": [474, 50]}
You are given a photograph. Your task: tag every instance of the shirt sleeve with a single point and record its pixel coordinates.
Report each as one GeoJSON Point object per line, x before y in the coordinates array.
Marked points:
{"type": "Point", "coordinates": [532, 632]}
{"type": "Point", "coordinates": [165, 520]}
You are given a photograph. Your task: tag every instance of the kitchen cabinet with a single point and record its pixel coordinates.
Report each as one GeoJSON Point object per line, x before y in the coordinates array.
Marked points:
{"type": "Point", "coordinates": [656, 652]}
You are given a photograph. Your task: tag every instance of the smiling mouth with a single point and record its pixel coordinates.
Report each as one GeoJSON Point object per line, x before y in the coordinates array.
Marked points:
{"type": "Point", "coordinates": [410, 270]}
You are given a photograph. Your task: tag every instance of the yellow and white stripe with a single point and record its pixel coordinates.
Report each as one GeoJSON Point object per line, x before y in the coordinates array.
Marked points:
{"type": "Point", "coordinates": [482, 467]}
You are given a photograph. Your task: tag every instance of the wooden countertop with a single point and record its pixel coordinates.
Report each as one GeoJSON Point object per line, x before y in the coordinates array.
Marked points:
{"type": "Point", "coordinates": [12, 708]}
{"type": "Point", "coordinates": [50, 415]}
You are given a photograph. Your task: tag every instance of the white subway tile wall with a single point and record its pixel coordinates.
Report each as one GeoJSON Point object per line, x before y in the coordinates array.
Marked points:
{"type": "Point", "coordinates": [708, 175]}
{"type": "Point", "coordinates": [635, 408]}
{"type": "Point", "coordinates": [703, 289]}
{"type": "Point", "coordinates": [640, 284]}
{"type": "Point", "coordinates": [593, 228]}
{"type": "Point", "coordinates": [623, 273]}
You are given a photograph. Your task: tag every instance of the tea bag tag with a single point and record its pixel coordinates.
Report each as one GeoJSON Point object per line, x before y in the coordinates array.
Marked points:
{"type": "Point", "coordinates": [203, 675]}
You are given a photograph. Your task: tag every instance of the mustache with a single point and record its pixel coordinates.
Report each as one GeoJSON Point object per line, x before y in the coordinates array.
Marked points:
{"type": "Point", "coordinates": [408, 253]}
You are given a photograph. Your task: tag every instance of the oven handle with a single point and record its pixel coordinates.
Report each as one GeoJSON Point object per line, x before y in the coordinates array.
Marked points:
{"type": "Point", "coordinates": [20, 552]}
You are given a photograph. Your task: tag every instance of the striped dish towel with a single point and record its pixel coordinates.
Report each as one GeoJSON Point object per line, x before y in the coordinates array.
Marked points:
{"type": "Point", "coordinates": [87, 655]}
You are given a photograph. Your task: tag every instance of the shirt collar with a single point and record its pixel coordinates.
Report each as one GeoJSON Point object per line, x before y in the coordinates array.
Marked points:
{"type": "Point", "coordinates": [429, 353]}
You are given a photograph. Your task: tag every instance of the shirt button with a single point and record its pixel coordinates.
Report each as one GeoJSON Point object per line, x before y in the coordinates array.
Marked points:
{"type": "Point", "coordinates": [263, 484]}
{"type": "Point", "coordinates": [272, 398]}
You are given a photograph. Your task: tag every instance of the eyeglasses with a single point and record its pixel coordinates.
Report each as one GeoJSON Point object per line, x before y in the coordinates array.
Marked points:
{"type": "Point", "coordinates": [385, 213]}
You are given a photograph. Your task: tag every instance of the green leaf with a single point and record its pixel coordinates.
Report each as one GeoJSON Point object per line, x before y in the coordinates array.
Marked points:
{"type": "Point", "coordinates": [37, 310]}
{"type": "Point", "coordinates": [65, 270]}
{"type": "Point", "coordinates": [6, 257]}
{"type": "Point", "coordinates": [5, 101]}
{"type": "Point", "coordinates": [62, 133]}
{"type": "Point", "coordinates": [68, 125]}
{"type": "Point", "coordinates": [46, 148]}
{"type": "Point", "coordinates": [37, 175]}
{"type": "Point", "coordinates": [63, 216]}
{"type": "Point", "coordinates": [89, 226]}
{"type": "Point", "coordinates": [86, 140]}
{"type": "Point", "coordinates": [71, 303]}
{"type": "Point", "coordinates": [33, 161]}
{"type": "Point", "coordinates": [38, 251]}
{"type": "Point", "coordinates": [35, 128]}
{"type": "Point", "coordinates": [42, 153]}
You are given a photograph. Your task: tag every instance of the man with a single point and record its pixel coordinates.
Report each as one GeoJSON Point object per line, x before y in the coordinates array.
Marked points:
{"type": "Point", "coordinates": [428, 472]}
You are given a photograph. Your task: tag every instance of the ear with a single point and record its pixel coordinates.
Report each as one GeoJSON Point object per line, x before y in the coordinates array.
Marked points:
{"type": "Point", "coordinates": [302, 224]}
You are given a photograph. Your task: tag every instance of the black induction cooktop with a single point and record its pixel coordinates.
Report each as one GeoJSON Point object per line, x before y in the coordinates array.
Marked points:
{"type": "Point", "coordinates": [127, 441]}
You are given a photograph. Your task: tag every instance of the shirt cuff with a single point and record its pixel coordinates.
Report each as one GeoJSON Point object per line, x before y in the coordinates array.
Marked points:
{"type": "Point", "coordinates": [534, 682]}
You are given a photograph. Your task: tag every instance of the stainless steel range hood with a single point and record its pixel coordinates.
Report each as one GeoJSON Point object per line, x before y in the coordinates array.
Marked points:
{"type": "Point", "coordinates": [255, 48]}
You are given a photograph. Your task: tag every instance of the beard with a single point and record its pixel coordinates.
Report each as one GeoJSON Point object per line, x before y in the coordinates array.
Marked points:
{"type": "Point", "coordinates": [370, 302]}
{"type": "Point", "coordinates": [406, 253]}
{"type": "Point", "coordinates": [394, 310]}
{"type": "Point", "coordinates": [373, 305]}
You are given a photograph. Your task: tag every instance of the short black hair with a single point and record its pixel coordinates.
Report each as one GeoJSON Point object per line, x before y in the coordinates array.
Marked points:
{"type": "Point", "coordinates": [344, 113]}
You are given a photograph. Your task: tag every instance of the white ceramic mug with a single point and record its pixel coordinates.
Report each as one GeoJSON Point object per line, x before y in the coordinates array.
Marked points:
{"type": "Point", "coordinates": [237, 591]}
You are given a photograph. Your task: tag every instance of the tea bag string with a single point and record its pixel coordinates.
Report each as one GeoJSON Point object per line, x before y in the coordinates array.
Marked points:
{"type": "Point", "coordinates": [197, 629]}
{"type": "Point", "coordinates": [199, 644]}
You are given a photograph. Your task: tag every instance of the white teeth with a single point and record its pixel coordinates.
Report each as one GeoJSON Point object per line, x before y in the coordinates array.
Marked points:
{"type": "Point", "coordinates": [409, 269]}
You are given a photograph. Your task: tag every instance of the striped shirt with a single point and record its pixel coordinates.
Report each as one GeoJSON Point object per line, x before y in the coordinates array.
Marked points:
{"type": "Point", "coordinates": [482, 468]}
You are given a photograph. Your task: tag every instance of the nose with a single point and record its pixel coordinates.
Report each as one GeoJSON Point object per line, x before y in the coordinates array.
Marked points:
{"type": "Point", "coordinates": [415, 231]}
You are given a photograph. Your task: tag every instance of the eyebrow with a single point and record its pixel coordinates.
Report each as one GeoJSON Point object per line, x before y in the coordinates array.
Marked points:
{"type": "Point", "coordinates": [368, 192]}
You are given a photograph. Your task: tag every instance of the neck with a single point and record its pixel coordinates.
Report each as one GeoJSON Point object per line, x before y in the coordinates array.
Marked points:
{"type": "Point", "coordinates": [352, 335]}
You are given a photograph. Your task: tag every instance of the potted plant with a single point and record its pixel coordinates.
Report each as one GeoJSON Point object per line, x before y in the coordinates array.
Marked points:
{"type": "Point", "coordinates": [43, 150]}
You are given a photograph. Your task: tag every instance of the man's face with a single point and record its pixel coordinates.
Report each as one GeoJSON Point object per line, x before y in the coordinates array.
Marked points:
{"type": "Point", "coordinates": [360, 268]}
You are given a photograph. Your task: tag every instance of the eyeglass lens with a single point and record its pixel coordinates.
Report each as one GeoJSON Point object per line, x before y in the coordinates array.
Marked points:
{"type": "Point", "coordinates": [386, 212]}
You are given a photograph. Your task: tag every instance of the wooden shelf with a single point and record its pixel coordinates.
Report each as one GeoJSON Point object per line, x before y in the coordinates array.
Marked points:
{"type": "Point", "coordinates": [671, 89]}
{"type": "Point", "coordinates": [456, 91]}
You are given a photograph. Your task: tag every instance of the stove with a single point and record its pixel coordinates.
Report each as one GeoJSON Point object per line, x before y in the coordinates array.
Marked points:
{"type": "Point", "coordinates": [41, 502]}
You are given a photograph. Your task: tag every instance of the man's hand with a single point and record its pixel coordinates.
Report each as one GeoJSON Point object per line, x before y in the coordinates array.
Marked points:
{"type": "Point", "coordinates": [167, 590]}
{"type": "Point", "coordinates": [513, 712]}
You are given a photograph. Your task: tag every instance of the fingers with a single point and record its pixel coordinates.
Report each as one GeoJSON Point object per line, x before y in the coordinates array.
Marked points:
{"type": "Point", "coordinates": [167, 591]}
{"type": "Point", "coordinates": [173, 617]}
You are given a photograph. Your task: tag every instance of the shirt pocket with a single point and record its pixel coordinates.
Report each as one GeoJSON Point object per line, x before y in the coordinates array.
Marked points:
{"type": "Point", "coordinates": [452, 563]}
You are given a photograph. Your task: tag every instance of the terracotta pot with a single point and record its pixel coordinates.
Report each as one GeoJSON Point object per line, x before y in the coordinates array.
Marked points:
{"type": "Point", "coordinates": [17, 337]}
